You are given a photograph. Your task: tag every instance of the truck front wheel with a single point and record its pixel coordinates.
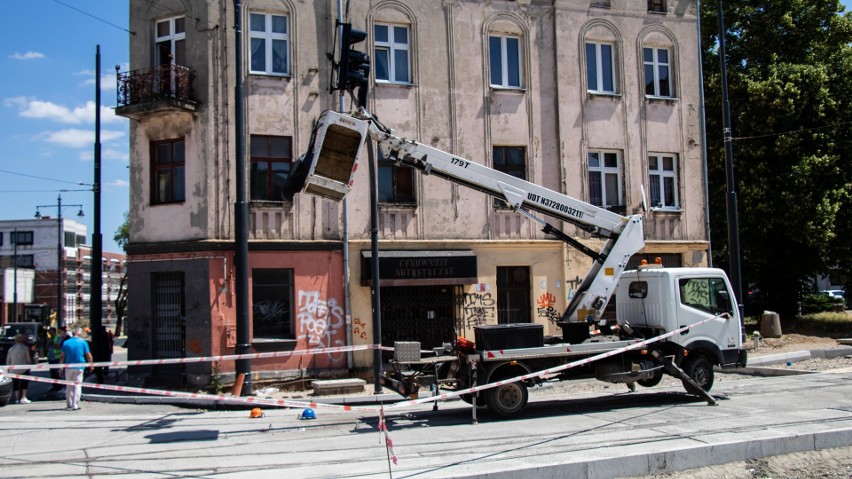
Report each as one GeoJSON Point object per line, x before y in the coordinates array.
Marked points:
{"type": "Point", "coordinates": [700, 369]}
{"type": "Point", "coordinates": [507, 399]}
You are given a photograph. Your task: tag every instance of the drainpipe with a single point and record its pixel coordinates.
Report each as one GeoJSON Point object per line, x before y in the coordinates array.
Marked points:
{"type": "Point", "coordinates": [701, 114]}
{"type": "Point", "coordinates": [341, 105]}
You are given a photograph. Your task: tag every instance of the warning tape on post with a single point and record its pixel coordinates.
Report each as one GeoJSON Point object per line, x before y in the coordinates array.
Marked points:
{"type": "Point", "coordinates": [251, 400]}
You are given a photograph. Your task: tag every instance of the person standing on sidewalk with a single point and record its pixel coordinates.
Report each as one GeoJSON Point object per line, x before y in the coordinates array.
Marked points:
{"type": "Point", "coordinates": [19, 354]}
{"type": "Point", "coordinates": [74, 350]}
{"type": "Point", "coordinates": [54, 351]}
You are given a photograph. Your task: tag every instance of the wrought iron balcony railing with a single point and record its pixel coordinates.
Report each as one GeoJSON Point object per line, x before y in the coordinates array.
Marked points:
{"type": "Point", "coordinates": [172, 83]}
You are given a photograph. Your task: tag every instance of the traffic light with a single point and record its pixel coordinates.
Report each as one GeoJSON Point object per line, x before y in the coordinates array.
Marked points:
{"type": "Point", "coordinates": [353, 69]}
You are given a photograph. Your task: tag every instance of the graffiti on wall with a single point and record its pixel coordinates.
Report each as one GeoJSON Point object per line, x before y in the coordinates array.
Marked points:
{"type": "Point", "coordinates": [320, 321]}
{"type": "Point", "coordinates": [478, 309]}
{"type": "Point", "coordinates": [546, 307]}
{"type": "Point", "coordinates": [359, 329]}
{"type": "Point", "coordinates": [571, 286]}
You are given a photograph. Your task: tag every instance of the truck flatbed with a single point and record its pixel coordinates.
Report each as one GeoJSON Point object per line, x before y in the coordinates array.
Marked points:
{"type": "Point", "coordinates": [558, 350]}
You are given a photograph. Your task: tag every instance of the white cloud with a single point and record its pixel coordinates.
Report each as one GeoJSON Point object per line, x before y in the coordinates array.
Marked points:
{"type": "Point", "coordinates": [27, 56]}
{"type": "Point", "coordinates": [39, 109]}
{"type": "Point", "coordinates": [76, 138]}
{"type": "Point", "coordinates": [118, 183]}
{"type": "Point", "coordinates": [106, 154]}
{"type": "Point", "coordinates": [107, 80]}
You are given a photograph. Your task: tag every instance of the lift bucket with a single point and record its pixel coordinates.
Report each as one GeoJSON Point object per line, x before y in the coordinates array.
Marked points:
{"type": "Point", "coordinates": [332, 160]}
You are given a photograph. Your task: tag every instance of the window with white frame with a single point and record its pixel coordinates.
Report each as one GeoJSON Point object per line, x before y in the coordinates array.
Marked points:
{"type": "Point", "coordinates": [600, 67]}
{"type": "Point", "coordinates": [391, 58]}
{"type": "Point", "coordinates": [605, 179]}
{"type": "Point", "coordinates": [270, 42]}
{"type": "Point", "coordinates": [657, 72]}
{"type": "Point", "coordinates": [505, 61]}
{"type": "Point", "coordinates": [171, 41]}
{"type": "Point", "coordinates": [662, 181]}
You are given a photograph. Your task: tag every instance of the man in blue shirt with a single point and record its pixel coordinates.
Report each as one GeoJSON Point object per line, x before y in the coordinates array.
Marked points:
{"type": "Point", "coordinates": [74, 350]}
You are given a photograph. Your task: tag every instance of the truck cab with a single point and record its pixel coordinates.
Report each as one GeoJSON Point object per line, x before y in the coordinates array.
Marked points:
{"type": "Point", "coordinates": [654, 300]}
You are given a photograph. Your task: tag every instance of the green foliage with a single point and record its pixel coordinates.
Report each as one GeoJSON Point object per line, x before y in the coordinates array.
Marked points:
{"type": "Point", "coordinates": [816, 303]}
{"type": "Point", "coordinates": [217, 385]}
{"type": "Point", "coordinates": [122, 234]}
{"type": "Point", "coordinates": [839, 324]}
{"type": "Point", "coordinates": [790, 86]}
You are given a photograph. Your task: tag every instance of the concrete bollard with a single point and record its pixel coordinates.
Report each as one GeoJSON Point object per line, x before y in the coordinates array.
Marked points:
{"type": "Point", "coordinates": [770, 325]}
{"type": "Point", "coordinates": [756, 336]}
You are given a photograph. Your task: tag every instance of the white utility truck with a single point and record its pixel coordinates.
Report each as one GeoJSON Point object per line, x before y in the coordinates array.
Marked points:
{"type": "Point", "coordinates": [650, 301]}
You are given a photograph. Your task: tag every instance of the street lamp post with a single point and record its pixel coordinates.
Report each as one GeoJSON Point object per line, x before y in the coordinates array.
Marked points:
{"type": "Point", "coordinates": [60, 253]}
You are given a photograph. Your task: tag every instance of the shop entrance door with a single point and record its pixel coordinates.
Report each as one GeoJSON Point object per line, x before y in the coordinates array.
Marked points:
{"type": "Point", "coordinates": [418, 313]}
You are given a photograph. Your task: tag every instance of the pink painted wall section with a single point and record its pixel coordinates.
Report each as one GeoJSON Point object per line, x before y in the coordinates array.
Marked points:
{"type": "Point", "coordinates": [319, 314]}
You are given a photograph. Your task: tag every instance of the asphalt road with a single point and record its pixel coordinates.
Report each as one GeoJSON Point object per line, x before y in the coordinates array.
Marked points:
{"type": "Point", "coordinates": [598, 435]}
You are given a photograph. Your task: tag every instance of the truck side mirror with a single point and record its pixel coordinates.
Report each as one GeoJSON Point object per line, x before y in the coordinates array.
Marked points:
{"type": "Point", "coordinates": [723, 301]}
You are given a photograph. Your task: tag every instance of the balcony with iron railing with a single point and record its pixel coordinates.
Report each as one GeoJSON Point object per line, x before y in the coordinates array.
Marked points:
{"type": "Point", "coordinates": [154, 91]}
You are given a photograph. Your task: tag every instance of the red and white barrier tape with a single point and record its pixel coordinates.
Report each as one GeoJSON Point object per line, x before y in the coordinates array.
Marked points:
{"type": "Point", "coordinates": [288, 403]}
{"type": "Point", "coordinates": [199, 359]}
{"type": "Point", "coordinates": [243, 400]}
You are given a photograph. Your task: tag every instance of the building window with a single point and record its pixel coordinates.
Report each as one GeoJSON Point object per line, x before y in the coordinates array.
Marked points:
{"type": "Point", "coordinates": [505, 58]}
{"type": "Point", "coordinates": [396, 182]}
{"type": "Point", "coordinates": [167, 166]}
{"type": "Point", "coordinates": [171, 41]}
{"type": "Point", "coordinates": [1, 239]}
{"type": "Point", "coordinates": [269, 36]}
{"type": "Point", "coordinates": [513, 294]}
{"type": "Point", "coordinates": [657, 6]}
{"type": "Point", "coordinates": [271, 159]}
{"type": "Point", "coordinates": [391, 54]}
{"type": "Point", "coordinates": [26, 261]}
{"type": "Point", "coordinates": [272, 303]}
{"type": "Point", "coordinates": [662, 178]}
{"type": "Point", "coordinates": [604, 179]}
{"type": "Point", "coordinates": [21, 238]}
{"type": "Point", "coordinates": [657, 72]}
{"type": "Point", "coordinates": [600, 68]}
{"type": "Point", "coordinates": [512, 161]}
{"type": "Point", "coordinates": [600, 4]}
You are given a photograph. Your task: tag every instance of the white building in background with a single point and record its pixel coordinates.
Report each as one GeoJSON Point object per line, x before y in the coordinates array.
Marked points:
{"type": "Point", "coordinates": [47, 250]}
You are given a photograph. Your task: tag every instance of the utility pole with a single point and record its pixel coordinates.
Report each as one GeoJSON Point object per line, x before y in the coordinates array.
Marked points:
{"type": "Point", "coordinates": [733, 220]}
{"type": "Point", "coordinates": [241, 270]}
{"type": "Point", "coordinates": [60, 255]}
{"type": "Point", "coordinates": [101, 351]}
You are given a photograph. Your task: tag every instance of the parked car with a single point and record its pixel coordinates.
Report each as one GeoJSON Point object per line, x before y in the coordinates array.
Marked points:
{"type": "Point", "coordinates": [837, 294]}
{"type": "Point", "coordinates": [35, 336]}
{"type": "Point", "coordinates": [5, 390]}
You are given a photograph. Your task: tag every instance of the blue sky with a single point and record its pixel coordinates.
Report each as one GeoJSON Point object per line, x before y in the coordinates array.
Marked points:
{"type": "Point", "coordinates": [47, 95]}
{"type": "Point", "coordinates": [47, 109]}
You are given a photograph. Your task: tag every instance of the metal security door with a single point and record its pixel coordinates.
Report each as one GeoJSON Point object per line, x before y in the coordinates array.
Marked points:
{"type": "Point", "coordinates": [168, 317]}
{"type": "Point", "coordinates": [418, 313]}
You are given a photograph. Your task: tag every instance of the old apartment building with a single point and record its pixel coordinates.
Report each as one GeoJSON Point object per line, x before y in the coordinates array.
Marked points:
{"type": "Point", "coordinates": [596, 99]}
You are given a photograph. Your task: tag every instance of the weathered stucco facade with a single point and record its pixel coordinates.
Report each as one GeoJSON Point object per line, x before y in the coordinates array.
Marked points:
{"type": "Point", "coordinates": [544, 106]}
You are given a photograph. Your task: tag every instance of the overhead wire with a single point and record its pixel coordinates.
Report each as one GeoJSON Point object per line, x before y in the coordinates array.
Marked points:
{"type": "Point", "coordinates": [78, 183]}
{"type": "Point", "coordinates": [95, 17]}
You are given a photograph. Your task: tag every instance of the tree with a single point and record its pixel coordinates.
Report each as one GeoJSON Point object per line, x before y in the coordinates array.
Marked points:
{"type": "Point", "coordinates": [122, 237]}
{"type": "Point", "coordinates": [790, 82]}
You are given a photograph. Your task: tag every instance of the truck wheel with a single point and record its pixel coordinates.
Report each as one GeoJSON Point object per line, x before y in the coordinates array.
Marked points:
{"type": "Point", "coordinates": [649, 383]}
{"type": "Point", "coordinates": [508, 399]}
{"type": "Point", "coordinates": [700, 369]}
